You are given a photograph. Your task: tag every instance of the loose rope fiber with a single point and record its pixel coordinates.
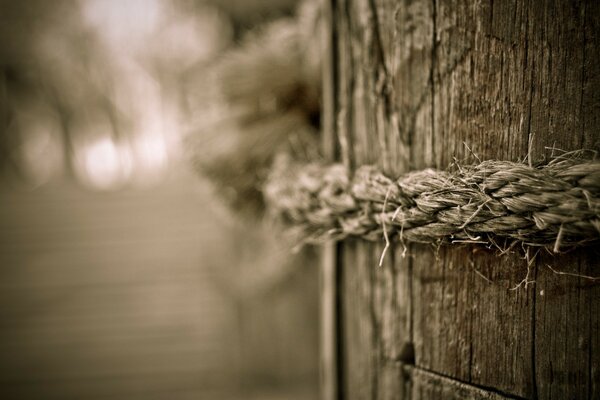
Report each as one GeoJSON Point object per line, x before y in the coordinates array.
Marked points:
{"type": "Point", "coordinates": [495, 203]}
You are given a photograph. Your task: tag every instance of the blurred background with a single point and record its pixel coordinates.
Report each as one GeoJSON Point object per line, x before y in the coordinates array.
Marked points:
{"type": "Point", "coordinates": [121, 274]}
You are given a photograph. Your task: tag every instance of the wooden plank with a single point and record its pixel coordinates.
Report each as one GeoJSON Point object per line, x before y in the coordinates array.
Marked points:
{"type": "Point", "coordinates": [564, 115]}
{"type": "Point", "coordinates": [566, 349]}
{"type": "Point", "coordinates": [422, 84]}
{"type": "Point", "coordinates": [505, 77]}
{"type": "Point", "coordinates": [359, 358]}
{"type": "Point", "coordinates": [468, 324]}
{"type": "Point", "coordinates": [374, 323]}
{"type": "Point", "coordinates": [375, 311]}
{"type": "Point", "coordinates": [562, 101]}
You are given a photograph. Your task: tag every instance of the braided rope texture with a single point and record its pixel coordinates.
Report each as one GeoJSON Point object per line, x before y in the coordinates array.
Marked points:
{"type": "Point", "coordinates": [495, 203]}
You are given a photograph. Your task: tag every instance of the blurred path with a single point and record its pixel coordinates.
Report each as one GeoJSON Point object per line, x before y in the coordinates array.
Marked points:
{"type": "Point", "coordinates": [106, 295]}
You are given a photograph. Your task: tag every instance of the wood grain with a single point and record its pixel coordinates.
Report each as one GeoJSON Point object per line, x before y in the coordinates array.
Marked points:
{"type": "Point", "coordinates": [429, 83]}
{"type": "Point", "coordinates": [376, 309]}
{"type": "Point", "coordinates": [426, 385]}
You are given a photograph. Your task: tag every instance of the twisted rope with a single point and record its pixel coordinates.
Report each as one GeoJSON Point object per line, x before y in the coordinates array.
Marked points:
{"type": "Point", "coordinates": [269, 87]}
{"type": "Point", "coordinates": [497, 203]}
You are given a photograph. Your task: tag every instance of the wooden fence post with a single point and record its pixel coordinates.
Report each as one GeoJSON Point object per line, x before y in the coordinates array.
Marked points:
{"type": "Point", "coordinates": [425, 83]}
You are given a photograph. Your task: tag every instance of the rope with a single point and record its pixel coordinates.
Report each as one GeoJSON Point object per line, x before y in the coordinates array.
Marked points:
{"type": "Point", "coordinates": [269, 91]}
{"type": "Point", "coordinates": [494, 203]}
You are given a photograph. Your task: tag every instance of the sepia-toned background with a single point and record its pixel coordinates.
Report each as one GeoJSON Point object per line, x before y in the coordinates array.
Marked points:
{"type": "Point", "coordinates": [122, 276]}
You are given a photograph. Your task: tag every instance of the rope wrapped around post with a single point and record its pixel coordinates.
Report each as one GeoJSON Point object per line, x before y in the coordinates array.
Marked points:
{"type": "Point", "coordinates": [269, 87]}
{"type": "Point", "coordinates": [494, 203]}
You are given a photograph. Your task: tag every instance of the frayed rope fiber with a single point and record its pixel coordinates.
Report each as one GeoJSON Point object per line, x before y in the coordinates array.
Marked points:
{"type": "Point", "coordinates": [495, 203]}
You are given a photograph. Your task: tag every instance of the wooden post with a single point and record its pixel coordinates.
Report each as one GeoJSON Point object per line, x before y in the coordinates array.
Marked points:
{"type": "Point", "coordinates": [328, 272]}
{"type": "Point", "coordinates": [422, 83]}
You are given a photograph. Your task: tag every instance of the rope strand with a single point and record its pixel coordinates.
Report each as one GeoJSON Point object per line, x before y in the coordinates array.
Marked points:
{"type": "Point", "coordinates": [556, 205]}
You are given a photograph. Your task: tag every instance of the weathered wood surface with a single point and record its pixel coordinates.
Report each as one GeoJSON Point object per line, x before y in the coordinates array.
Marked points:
{"type": "Point", "coordinates": [422, 84]}
{"type": "Point", "coordinates": [426, 385]}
